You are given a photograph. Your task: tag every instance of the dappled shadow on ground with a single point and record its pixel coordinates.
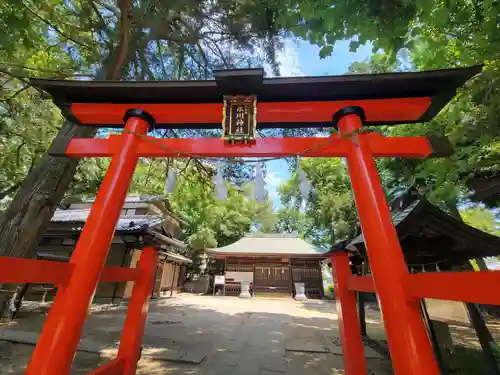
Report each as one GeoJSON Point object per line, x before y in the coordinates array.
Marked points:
{"type": "Point", "coordinates": [214, 335]}
{"type": "Point", "coordinates": [14, 358]}
{"type": "Point", "coordinates": [324, 306]}
{"type": "Point", "coordinates": [207, 335]}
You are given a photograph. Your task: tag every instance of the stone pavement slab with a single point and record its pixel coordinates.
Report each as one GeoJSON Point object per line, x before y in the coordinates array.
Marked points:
{"type": "Point", "coordinates": [86, 344]}
{"type": "Point", "coordinates": [247, 365]}
{"type": "Point", "coordinates": [313, 364]}
{"type": "Point", "coordinates": [370, 353]}
{"type": "Point", "coordinates": [17, 336]}
{"type": "Point", "coordinates": [224, 359]}
{"type": "Point", "coordinates": [268, 372]}
{"type": "Point", "coordinates": [275, 363]}
{"type": "Point", "coordinates": [335, 348]}
{"type": "Point", "coordinates": [217, 370]}
{"type": "Point", "coordinates": [230, 346]}
{"type": "Point", "coordinates": [90, 345]}
{"type": "Point", "coordinates": [173, 355]}
{"type": "Point", "coordinates": [162, 354]}
{"type": "Point", "coordinates": [192, 357]}
{"type": "Point", "coordinates": [305, 345]}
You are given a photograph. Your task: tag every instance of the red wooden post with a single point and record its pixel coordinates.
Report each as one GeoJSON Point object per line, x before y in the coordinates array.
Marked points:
{"type": "Point", "coordinates": [411, 349]}
{"type": "Point", "coordinates": [350, 331]}
{"type": "Point", "coordinates": [133, 330]}
{"type": "Point", "coordinates": [54, 352]}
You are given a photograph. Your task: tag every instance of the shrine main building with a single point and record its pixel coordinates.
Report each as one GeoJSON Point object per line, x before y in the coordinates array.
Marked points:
{"type": "Point", "coordinates": [272, 263]}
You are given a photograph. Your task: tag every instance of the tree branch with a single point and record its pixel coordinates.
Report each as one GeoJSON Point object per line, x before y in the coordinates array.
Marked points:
{"type": "Point", "coordinates": [60, 32]}
{"type": "Point", "coordinates": [145, 65]}
{"type": "Point", "coordinates": [220, 54]}
{"type": "Point", "coordinates": [16, 76]}
{"type": "Point", "coordinates": [182, 59]}
{"type": "Point", "coordinates": [43, 70]}
{"type": "Point", "coordinates": [13, 96]}
{"type": "Point", "coordinates": [159, 50]}
{"type": "Point", "coordinates": [10, 190]}
{"type": "Point", "coordinates": [99, 15]}
{"type": "Point", "coordinates": [205, 59]}
{"type": "Point", "coordinates": [108, 7]}
{"type": "Point", "coordinates": [148, 173]}
{"type": "Point", "coordinates": [199, 64]}
{"type": "Point", "coordinates": [164, 29]}
{"type": "Point", "coordinates": [200, 165]}
{"type": "Point", "coordinates": [125, 8]}
{"type": "Point", "coordinates": [183, 169]}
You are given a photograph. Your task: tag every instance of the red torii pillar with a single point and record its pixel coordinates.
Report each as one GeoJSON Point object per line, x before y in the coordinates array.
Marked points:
{"type": "Point", "coordinates": [57, 345]}
{"type": "Point", "coordinates": [411, 350]}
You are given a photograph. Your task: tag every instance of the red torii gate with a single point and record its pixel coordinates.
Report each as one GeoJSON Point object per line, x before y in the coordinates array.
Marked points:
{"type": "Point", "coordinates": [347, 102]}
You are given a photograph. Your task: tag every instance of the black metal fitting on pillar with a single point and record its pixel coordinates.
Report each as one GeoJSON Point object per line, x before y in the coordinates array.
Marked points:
{"type": "Point", "coordinates": [350, 110]}
{"type": "Point", "coordinates": [139, 113]}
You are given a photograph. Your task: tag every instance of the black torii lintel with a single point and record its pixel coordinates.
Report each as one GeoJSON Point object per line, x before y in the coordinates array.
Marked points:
{"type": "Point", "coordinates": [438, 85]}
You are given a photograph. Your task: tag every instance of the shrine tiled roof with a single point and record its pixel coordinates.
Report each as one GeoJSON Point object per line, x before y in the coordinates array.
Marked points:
{"type": "Point", "coordinates": [148, 226]}
{"type": "Point", "coordinates": [397, 218]}
{"type": "Point", "coordinates": [429, 235]}
{"type": "Point", "coordinates": [262, 244]}
{"type": "Point", "coordinates": [126, 223]}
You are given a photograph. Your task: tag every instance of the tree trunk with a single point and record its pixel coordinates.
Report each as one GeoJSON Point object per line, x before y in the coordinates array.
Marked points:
{"type": "Point", "coordinates": [25, 221]}
{"type": "Point", "coordinates": [23, 224]}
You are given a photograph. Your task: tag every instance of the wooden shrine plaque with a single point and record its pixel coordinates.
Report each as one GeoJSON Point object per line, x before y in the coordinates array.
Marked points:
{"type": "Point", "coordinates": [239, 118]}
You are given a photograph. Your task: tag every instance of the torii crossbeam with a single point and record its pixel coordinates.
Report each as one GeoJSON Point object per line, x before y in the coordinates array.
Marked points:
{"type": "Point", "coordinates": [240, 100]}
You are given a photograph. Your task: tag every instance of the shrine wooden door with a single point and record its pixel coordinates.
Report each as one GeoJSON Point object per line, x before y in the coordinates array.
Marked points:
{"type": "Point", "coordinates": [273, 278]}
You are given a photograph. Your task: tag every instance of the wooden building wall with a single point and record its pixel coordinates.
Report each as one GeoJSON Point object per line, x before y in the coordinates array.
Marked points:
{"type": "Point", "coordinates": [119, 255]}
{"type": "Point", "coordinates": [60, 240]}
{"type": "Point", "coordinates": [135, 256]}
{"type": "Point", "coordinates": [168, 275]}
{"type": "Point", "coordinates": [275, 275]}
{"type": "Point", "coordinates": [169, 271]}
{"type": "Point", "coordinates": [308, 271]}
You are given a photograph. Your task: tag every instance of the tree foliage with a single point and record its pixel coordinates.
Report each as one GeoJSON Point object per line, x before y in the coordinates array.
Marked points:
{"type": "Point", "coordinates": [211, 223]}
{"type": "Point", "coordinates": [112, 40]}
{"type": "Point", "coordinates": [427, 27]}
{"type": "Point", "coordinates": [470, 121]}
{"type": "Point", "coordinates": [329, 215]}
{"type": "Point", "coordinates": [482, 219]}
{"type": "Point", "coordinates": [151, 40]}
{"type": "Point", "coordinates": [422, 35]}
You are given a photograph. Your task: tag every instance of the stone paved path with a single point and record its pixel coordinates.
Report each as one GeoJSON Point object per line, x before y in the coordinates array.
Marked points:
{"type": "Point", "coordinates": [204, 335]}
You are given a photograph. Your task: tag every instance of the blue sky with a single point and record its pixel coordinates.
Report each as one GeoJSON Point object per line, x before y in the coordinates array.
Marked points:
{"type": "Point", "coordinates": [300, 58]}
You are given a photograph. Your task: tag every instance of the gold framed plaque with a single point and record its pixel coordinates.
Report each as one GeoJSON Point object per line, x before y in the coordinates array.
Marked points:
{"type": "Point", "coordinates": [239, 118]}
